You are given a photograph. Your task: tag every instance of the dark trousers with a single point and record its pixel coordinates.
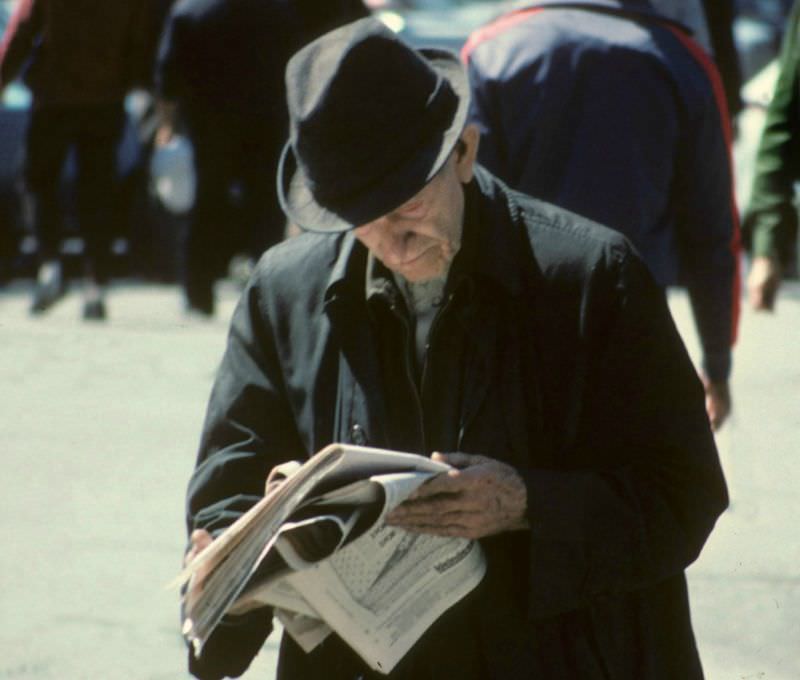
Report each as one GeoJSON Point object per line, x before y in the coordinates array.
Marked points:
{"type": "Point", "coordinates": [236, 209]}
{"type": "Point", "coordinates": [94, 132]}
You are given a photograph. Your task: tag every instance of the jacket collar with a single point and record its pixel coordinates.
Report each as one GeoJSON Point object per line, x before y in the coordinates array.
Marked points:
{"type": "Point", "coordinates": [496, 233]}
{"type": "Point", "coordinates": [348, 267]}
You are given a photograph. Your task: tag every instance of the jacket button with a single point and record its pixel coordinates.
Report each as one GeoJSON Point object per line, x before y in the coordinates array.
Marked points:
{"type": "Point", "coordinates": [357, 435]}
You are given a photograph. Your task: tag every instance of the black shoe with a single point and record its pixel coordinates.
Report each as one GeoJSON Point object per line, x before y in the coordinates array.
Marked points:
{"type": "Point", "coordinates": [47, 294]}
{"type": "Point", "coordinates": [201, 307]}
{"type": "Point", "coordinates": [94, 310]}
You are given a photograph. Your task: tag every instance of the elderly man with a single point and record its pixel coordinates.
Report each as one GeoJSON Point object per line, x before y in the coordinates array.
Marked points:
{"type": "Point", "coordinates": [431, 309]}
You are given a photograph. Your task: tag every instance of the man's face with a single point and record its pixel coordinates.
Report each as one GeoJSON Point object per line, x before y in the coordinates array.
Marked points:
{"type": "Point", "coordinates": [419, 239]}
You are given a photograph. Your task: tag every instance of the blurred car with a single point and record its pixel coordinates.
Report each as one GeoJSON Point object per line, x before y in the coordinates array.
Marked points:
{"type": "Point", "coordinates": [437, 23]}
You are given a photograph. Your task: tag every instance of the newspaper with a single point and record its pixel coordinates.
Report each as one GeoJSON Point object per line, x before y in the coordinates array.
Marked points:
{"type": "Point", "coordinates": [318, 551]}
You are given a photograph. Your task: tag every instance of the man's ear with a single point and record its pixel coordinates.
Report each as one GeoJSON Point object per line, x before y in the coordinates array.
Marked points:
{"type": "Point", "coordinates": [466, 152]}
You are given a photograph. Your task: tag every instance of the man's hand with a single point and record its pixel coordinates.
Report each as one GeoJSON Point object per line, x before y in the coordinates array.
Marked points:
{"type": "Point", "coordinates": [165, 133]}
{"type": "Point", "coordinates": [763, 282]}
{"type": "Point", "coordinates": [718, 402]}
{"type": "Point", "coordinates": [167, 114]}
{"type": "Point", "coordinates": [200, 539]}
{"type": "Point", "coordinates": [481, 497]}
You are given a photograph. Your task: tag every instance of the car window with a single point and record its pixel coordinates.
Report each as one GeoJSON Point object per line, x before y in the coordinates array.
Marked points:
{"type": "Point", "coordinates": [424, 4]}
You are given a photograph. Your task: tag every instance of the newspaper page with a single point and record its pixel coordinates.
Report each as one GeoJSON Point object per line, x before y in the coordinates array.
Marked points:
{"type": "Point", "coordinates": [381, 592]}
{"type": "Point", "coordinates": [301, 544]}
{"type": "Point", "coordinates": [227, 566]}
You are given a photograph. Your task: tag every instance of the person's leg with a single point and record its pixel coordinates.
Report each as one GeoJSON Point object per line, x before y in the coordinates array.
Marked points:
{"type": "Point", "coordinates": [101, 129]}
{"type": "Point", "coordinates": [263, 218]}
{"type": "Point", "coordinates": [47, 143]}
{"type": "Point", "coordinates": [205, 239]}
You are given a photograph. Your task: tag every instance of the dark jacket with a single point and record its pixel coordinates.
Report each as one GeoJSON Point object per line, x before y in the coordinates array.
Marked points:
{"type": "Point", "coordinates": [608, 110]}
{"type": "Point", "coordinates": [78, 52]}
{"type": "Point", "coordinates": [555, 353]}
{"type": "Point", "coordinates": [229, 56]}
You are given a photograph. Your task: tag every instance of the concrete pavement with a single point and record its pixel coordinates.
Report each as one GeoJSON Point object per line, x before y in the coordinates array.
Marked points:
{"type": "Point", "coordinates": [745, 587]}
{"type": "Point", "coordinates": [98, 428]}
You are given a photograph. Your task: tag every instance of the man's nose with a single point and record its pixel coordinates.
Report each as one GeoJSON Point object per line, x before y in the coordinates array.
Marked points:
{"type": "Point", "coordinates": [393, 236]}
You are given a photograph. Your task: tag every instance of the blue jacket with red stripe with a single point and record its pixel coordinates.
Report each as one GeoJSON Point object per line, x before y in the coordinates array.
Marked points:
{"type": "Point", "coordinates": [609, 110]}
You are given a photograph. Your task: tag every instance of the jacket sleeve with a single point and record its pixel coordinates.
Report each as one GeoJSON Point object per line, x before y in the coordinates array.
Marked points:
{"type": "Point", "coordinates": [248, 429]}
{"type": "Point", "coordinates": [707, 224]}
{"type": "Point", "coordinates": [641, 485]}
{"type": "Point", "coordinates": [171, 61]}
{"type": "Point", "coordinates": [770, 225]}
{"type": "Point", "coordinates": [481, 113]}
{"type": "Point", "coordinates": [19, 39]}
{"type": "Point", "coordinates": [144, 31]}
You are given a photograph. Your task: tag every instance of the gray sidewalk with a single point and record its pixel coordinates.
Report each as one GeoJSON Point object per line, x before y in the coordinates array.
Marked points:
{"type": "Point", "coordinates": [746, 585]}
{"type": "Point", "coordinates": [98, 428]}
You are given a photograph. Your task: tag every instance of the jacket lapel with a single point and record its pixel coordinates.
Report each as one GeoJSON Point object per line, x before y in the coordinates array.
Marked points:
{"type": "Point", "coordinates": [481, 333]}
{"type": "Point", "coordinates": [360, 408]}
{"type": "Point", "coordinates": [505, 323]}
{"type": "Point", "coordinates": [502, 364]}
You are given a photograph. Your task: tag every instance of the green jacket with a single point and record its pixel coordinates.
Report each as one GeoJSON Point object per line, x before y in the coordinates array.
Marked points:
{"type": "Point", "coordinates": [770, 226]}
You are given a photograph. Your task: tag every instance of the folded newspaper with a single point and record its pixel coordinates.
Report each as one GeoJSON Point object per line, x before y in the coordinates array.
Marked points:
{"type": "Point", "coordinates": [317, 550]}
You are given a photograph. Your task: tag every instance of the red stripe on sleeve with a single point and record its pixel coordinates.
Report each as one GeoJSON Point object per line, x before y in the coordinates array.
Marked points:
{"type": "Point", "coordinates": [710, 68]}
{"type": "Point", "coordinates": [493, 29]}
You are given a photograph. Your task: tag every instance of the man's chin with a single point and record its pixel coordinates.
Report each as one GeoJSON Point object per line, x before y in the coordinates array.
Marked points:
{"type": "Point", "coordinates": [415, 277]}
{"type": "Point", "coordinates": [422, 270]}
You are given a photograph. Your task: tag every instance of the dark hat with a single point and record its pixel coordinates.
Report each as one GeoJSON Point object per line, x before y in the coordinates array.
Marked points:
{"type": "Point", "coordinates": [372, 121]}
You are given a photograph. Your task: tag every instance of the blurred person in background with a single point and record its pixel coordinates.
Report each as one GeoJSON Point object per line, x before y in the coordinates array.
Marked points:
{"type": "Point", "coordinates": [770, 224]}
{"type": "Point", "coordinates": [220, 74]}
{"type": "Point", "coordinates": [318, 17]}
{"type": "Point", "coordinates": [610, 110]}
{"type": "Point", "coordinates": [79, 58]}
{"type": "Point", "coordinates": [720, 16]}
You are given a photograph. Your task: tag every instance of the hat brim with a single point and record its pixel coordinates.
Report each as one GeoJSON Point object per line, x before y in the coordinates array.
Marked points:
{"type": "Point", "coordinates": [294, 190]}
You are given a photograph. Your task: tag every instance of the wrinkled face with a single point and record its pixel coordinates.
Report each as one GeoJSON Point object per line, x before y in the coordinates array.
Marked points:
{"type": "Point", "coordinates": [419, 239]}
